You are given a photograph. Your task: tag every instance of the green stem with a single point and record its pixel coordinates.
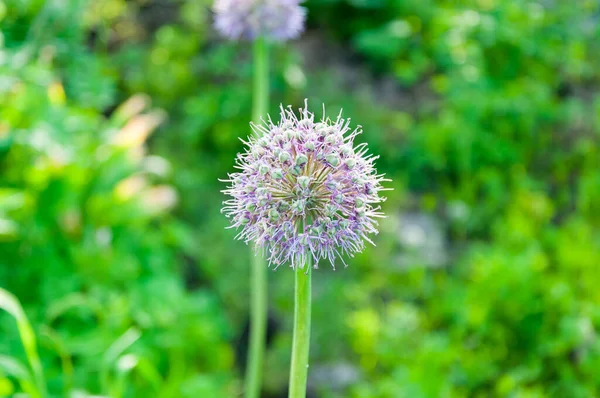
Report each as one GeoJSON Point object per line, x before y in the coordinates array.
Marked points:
{"type": "Point", "coordinates": [258, 327]}
{"type": "Point", "coordinates": [301, 342]}
{"type": "Point", "coordinates": [260, 80]}
{"type": "Point", "coordinates": [258, 273]}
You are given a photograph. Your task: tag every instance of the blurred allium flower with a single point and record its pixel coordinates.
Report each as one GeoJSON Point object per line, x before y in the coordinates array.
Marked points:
{"type": "Point", "coordinates": [303, 189]}
{"type": "Point", "coordinates": [278, 20]}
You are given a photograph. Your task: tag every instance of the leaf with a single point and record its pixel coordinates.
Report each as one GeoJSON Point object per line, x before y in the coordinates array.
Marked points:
{"type": "Point", "coordinates": [113, 353]}
{"type": "Point", "coordinates": [10, 304]}
{"type": "Point", "coordinates": [14, 368]}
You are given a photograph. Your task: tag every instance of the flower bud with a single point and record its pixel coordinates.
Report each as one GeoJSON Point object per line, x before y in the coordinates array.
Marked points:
{"type": "Point", "coordinates": [303, 181]}
{"type": "Point", "coordinates": [263, 169]}
{"type": "Point", "coordinates": [317, 230]}
{"type": "Point", "coordinates": [305, 124]}
{"type": "Point", "coordinates": [258, 151]}
{"type": "Point", "coordinates": [273, 214]}
{"type": "Point", "coordinates": [321, 129]}
{"type": "Point", "coordinates": [331, 139]}
{"type": "Point", "coordinates": [284, 156]}
{"type": "Point", "coordinates": [330, 210]}
{"type": "Point", "coordinates": [301, 159]}
{"type": "Point", "coordinates": [298, 206]}
{"type": "Point", "coordinates": [332, 185]}
{"type": "Point", "coordinates": [289, 134]}
{"type": "Point", "coordinates": [277, 174]}
{"type": "Point", "coordinates": [296, 170]}
{"type": "Point", "coordinates": [346, 150]}
{"type": "Point", "coordinates": [333, 159]}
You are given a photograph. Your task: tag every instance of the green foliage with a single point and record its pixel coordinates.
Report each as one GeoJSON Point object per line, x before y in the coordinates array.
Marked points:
{"type": "Point", "coordinates": [507, 130]}
{"type": "Point", "coordinates": [485, 114]}
{"type": "Point", "coordinates": [32, 382]}
{"type": "Point", "coordinates": [89, 246]}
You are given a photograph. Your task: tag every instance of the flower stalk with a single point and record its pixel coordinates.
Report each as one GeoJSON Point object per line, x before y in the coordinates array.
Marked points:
{"type": "Point", "coordinates": [258, 271]}
{"type": "Point", "coordinates": [260, 80]}
{"type": "Point", "coordinates": [301, 338]}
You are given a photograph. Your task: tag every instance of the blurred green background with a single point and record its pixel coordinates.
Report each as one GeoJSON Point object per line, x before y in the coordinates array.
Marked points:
{"type": "Point", "coordinates": [118, 117]}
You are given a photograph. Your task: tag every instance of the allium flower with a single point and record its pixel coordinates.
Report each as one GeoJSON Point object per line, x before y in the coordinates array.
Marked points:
{"type": "Point", "coordinates": [303, 189]}
{"type": "Point", "coordinates": [278, 20]}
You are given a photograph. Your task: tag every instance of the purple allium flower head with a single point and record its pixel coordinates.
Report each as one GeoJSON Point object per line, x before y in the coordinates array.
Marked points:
{"type": "Point", "coordinates": [277, 20]}
{"type": "Point", "coordinates": [304, 189]}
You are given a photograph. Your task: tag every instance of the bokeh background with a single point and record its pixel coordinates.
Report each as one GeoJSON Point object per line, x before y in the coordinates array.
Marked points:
{"type": "Point", "coordinates": [118, 117]}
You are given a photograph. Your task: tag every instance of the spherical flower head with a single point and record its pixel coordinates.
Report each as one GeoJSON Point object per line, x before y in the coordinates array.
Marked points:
{"type": "Point", "coordinates": [278, 20]}
{"type": "Point", "coordinates": [303, 189]}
